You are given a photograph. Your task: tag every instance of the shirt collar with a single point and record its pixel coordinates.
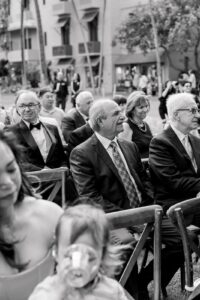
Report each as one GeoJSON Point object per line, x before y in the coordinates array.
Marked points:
{"type": "Point", "coordinates": [28, 123]}
{"type": "Point", "coordinates": [104, 141]}
{"type": "Point", "coordinates": [48, 111]}
{"type": "Point", "coordinates": [179, 134]}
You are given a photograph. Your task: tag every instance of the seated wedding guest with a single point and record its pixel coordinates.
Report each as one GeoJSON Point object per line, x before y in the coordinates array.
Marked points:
{"type": "Point", "coordinates": [174, 161]}
{"type": "Point", "coordinates": [41, 141]}
{"type": "Point", "coordinates": [135, 128]}
{"type": "Point", "coordinates": [78, 116]}
{"type": "Point", "coordinates": [48, 108]}
{"type": "Point", "coordinates": [85, 259]}
{"type": "Point", "coordinates": [109, 170]}
{"type": "Point", "coordinates": [27, 227]}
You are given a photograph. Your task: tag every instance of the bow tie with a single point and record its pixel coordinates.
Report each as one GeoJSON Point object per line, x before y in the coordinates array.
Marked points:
{"type": "Point", "coordinates": [38, 126]}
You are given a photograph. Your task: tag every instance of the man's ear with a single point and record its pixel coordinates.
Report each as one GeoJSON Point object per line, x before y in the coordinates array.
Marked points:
{"type": "Point", "coordinates": [175, 115]}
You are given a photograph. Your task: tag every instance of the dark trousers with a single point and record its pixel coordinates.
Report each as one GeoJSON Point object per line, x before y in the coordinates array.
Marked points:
{"type": "Point", "coordinates": [61, 101]}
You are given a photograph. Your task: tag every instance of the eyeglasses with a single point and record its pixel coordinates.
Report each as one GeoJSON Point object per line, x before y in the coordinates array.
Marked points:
{"type": "Point", "coordinates": [193, 110]}
{"type": "Point", "coordinates": [30, 106]}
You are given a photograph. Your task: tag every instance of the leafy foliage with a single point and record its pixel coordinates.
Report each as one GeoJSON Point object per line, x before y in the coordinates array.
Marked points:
{"type": "Point", "coordinates": [177, 21]}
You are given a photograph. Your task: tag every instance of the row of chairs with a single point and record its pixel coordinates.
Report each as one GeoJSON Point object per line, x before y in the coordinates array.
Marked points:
{"type": "Point", "coordinates": [151, 216]}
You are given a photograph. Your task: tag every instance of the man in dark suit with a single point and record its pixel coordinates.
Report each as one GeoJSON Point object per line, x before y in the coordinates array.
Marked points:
{"type": "Point", "coordinates": [174, 161]}
{"type": "Point", "coordinates": [41, 141]}
{"type": "Point", "coordinates": [78, 116]}
{"type": "Point", "coordinates": [96, 170]}
{"type": "Point", "coordinates": [79, 136]}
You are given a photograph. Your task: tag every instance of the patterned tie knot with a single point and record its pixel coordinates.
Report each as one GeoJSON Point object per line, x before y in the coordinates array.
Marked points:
{"type": "Point", "coordinates": [113, 145]}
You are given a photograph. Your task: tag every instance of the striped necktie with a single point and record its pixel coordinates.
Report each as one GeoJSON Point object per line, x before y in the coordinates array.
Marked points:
{"type": "Point", "coordinates": [189, 151]}
{"type": "Point", "coordinates": [125, 177]}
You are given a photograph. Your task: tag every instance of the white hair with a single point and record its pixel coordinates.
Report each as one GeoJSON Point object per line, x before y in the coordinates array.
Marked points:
{"type": "Point", "coordinates": [178, 101]}
{"type": "Point", "coordinates": [99, 111]}
{"type": "Point", "coordinates": [27, 93]}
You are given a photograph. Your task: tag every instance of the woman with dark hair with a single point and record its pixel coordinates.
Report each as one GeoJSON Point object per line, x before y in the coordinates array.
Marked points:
{"type": "Point", "coordinates": [27, 225]}
{"type": "Point", "coordinates": [135, 128]}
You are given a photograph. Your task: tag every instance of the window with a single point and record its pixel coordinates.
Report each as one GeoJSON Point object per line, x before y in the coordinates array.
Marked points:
{"type": "Point", "coordinates": [93, 29]}
{"type": "Point", "coordinates": [45, 38]}
{"type": "Point", "coordinates": [65, 32]}
{"type": "Point", "coordinates": [27, 4]}
{"type": "Point", "coordinates": [28, 43]}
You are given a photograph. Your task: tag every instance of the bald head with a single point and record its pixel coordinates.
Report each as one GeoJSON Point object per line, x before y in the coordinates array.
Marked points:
{"type": "Point", "coordinates": [106, 118]}
{"type": "Point", "coordinates": [84, 101]}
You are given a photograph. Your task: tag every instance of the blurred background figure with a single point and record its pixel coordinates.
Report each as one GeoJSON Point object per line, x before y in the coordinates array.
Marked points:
{"type": "Point", "coordinates": [75, 87]}
{"type": "Point", "coordinates": [171, 87]}
{"type": "Point", "coordinates": [121, 101]}
{"type": "Point", "coordinates": [135, 128]}
{"type": "Point", "coordinates": [60, 88]}
{"type": "Point", "coordinates": [48, 108]}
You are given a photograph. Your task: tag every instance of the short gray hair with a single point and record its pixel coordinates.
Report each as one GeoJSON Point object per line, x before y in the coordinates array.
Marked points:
{"type": "Point", "coordinates": [98, 112]}
{"type": "Point", "coordinates": [178, 101]}
{"type": "Point", "coordinates": [29, 93]}
{"type": "Point", "coordinates": [82, 96]}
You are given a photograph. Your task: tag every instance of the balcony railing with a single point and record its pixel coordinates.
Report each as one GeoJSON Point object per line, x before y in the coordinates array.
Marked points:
{"type": "Point", "coordinates": [88, 4]}
{"type": "Point", "coordinates": [64, 51]}
{"type": "Point", "coordinates": [93, 48]}
{"type": "Point", "coordinates": [64, 7]}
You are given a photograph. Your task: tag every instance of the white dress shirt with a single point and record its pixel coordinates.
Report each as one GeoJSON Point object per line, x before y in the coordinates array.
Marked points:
{"type": "Point", "coordinates": [39, 136]}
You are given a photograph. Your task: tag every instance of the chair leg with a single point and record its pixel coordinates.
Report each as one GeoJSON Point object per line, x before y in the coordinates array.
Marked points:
{"type": "Point", "coordinates": [182, 271]}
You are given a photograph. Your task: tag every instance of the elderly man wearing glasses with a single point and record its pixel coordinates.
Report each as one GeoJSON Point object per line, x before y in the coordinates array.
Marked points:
{"type": "Point", "coordinates": [174, 162]}
{"type": "Point", "coordinates": [41, 141]}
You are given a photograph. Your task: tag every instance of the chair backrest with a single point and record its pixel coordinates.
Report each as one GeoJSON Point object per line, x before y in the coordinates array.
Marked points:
{"type": "Point", "coordinates": [56, 179]}
{"type": "Point", "coordinates": [180, 215]}
{"type": "Point", "coordinates": [150, 216]}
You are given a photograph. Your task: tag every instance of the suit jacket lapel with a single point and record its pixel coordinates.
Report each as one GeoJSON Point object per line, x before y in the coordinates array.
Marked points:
{"type": "Point", "coordinates": [98, 147]}
{"type": "Point", "coordinates": [28, 136]}
{"type": "Point", "coordinates": [51, 138]}
{"type": "Point", "coordinates": [196, 150]}
{"type": "Point", "coordinates": [177, 143]}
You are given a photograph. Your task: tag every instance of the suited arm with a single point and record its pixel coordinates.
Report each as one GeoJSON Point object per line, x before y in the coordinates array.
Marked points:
{"type": "Point", "coordinates": [84, 178]}
{"type": "Point", "coordinates": [67, 126]}
{"type": "Point", "coordinates": [163, 167]}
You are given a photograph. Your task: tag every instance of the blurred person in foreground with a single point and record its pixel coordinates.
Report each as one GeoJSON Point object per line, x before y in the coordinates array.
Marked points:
{"type": "Point", "coordinates": [135, 128]}
{"type": "Point", "coordinates": [85, 259]}
{"type": "Point", "coordinates": [27, 225]}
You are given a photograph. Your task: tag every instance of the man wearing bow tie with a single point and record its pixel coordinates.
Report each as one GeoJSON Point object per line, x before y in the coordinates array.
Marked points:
{"type": "Point", "coordinates": [41, 141]}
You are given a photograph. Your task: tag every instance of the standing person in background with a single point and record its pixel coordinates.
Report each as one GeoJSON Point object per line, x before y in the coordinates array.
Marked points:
{"type": "Point", "coordinates": [75, 87]}
{"type": "Point", "coordinates": [143, 83]}
{"type": "Point", "coordinates": [61, 90]}
{"type": "Point", "coordinates": [48, 108]}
